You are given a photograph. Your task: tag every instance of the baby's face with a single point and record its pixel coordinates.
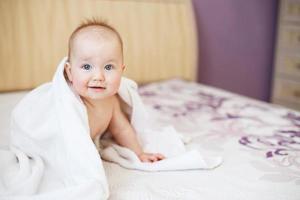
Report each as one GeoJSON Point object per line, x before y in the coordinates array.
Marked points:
{"type": "Point", "coordinates": [96, 65]}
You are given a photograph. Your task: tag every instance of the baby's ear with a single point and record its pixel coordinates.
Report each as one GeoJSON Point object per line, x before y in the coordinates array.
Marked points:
{"type": "Point", "coordinates": [123, 67]}
{"type": "Point", "coordinates": [67, 71]}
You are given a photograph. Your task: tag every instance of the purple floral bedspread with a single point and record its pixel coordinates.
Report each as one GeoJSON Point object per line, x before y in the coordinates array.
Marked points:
{"type": "Point", "coordinates": [266, 136]}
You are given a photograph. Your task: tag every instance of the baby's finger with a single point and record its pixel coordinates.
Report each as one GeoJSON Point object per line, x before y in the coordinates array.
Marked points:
{"type": "Point", "coordinates": [153, 158]}
{"type": "Point", "coordinates": [160, 156]}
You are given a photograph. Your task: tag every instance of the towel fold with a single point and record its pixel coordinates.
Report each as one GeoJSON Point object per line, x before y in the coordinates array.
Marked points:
{"type": "Point", "coordinates": [52, 155]}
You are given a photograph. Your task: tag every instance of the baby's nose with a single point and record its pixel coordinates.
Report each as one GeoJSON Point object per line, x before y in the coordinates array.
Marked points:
{"type": "Point", "coordinates": [98, 75]}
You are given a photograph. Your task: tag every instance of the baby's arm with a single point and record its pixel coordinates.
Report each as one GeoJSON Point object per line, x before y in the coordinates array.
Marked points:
{"type": "Point", "coordinates": [125, 135]}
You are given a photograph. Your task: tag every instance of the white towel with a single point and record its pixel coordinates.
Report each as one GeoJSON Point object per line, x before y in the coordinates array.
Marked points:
{"type": "Point", "coordinates": [53, 157]}
{"type": "Point", "coordinates": [51, 153]}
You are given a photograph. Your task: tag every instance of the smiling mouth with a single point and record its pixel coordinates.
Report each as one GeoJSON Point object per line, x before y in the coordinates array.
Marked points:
{"type": "Point", "coordinates": [97, 88]}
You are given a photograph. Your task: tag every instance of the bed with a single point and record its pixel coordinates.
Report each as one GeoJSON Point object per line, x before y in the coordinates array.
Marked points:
{"type": "Point", "coordinates": [259, 142]}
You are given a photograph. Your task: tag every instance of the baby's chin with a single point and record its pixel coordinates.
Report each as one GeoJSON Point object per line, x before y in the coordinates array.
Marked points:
{"type": "Point", "coordinates": [100, 96]}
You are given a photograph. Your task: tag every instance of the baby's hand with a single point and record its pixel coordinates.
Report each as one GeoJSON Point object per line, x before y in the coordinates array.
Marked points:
{"type": "Point", "coordinates": [150, 157]}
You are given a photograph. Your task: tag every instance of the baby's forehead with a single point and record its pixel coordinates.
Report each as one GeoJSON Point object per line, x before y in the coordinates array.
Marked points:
{"type": "Point", "coordinates": [89, 38]}
{"type": "Point", "coordinates": [94, 32]}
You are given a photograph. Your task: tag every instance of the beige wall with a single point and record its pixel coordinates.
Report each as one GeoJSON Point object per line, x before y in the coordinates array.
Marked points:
{"type": "Point", "coordinates": [159, 37]}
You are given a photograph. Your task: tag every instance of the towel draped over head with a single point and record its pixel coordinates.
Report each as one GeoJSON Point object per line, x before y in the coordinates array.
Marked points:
{"type": "Point", "coordinates": [52, 155]}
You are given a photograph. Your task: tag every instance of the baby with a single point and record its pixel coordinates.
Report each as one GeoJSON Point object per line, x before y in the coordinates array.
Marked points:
{"type": "Point", "coordinates": [94, 70]}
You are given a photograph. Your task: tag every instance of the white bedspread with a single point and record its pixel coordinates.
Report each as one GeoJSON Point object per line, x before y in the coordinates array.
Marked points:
{"type": "Point", "coordinates": [260, 144]}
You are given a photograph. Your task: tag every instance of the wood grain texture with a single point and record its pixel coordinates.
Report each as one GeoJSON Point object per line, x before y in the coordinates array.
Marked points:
{"type": "Point", "coordinates": [159, 37]}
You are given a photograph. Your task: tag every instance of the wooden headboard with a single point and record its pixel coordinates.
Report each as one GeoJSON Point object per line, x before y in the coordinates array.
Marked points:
{"type": "Point", "coordinates": [159, 37]}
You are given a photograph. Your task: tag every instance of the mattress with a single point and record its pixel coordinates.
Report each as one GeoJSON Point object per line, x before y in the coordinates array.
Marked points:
{"type": "Point", "coordinates": [259, 142]}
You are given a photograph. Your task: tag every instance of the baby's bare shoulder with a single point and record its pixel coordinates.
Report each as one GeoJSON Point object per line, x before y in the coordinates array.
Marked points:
{"type": "Point", "coordinates": [116, 103]}
{"type": "Point", "coordinates": [120, 107]}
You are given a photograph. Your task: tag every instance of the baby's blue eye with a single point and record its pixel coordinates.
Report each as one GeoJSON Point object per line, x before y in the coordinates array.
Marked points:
{"type": "Point", "coordinates": [108, 67]}
{"type": "Point", "coordinates": [86, 67]}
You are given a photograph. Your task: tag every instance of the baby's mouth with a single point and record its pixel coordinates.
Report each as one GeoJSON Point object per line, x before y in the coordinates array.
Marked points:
{"type": "Point", "coordinates": [97, 87]}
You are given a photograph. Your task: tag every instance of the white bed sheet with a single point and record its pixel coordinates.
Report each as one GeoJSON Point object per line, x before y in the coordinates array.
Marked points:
{"type": "Point", "coordinates": [259, 142]}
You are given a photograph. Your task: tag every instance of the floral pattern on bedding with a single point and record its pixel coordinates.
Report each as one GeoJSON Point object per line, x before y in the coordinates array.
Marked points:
{"type": "Point", "coordinates": [265, 130]}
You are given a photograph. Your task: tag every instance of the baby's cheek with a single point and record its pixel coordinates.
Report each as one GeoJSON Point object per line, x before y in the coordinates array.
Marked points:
{"type": "Point", "coordinates": [115, 80]}
{"type": "Point", "coordinates": [79, 84]}
{"type": "Point", "coordinates": [118, 84]}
